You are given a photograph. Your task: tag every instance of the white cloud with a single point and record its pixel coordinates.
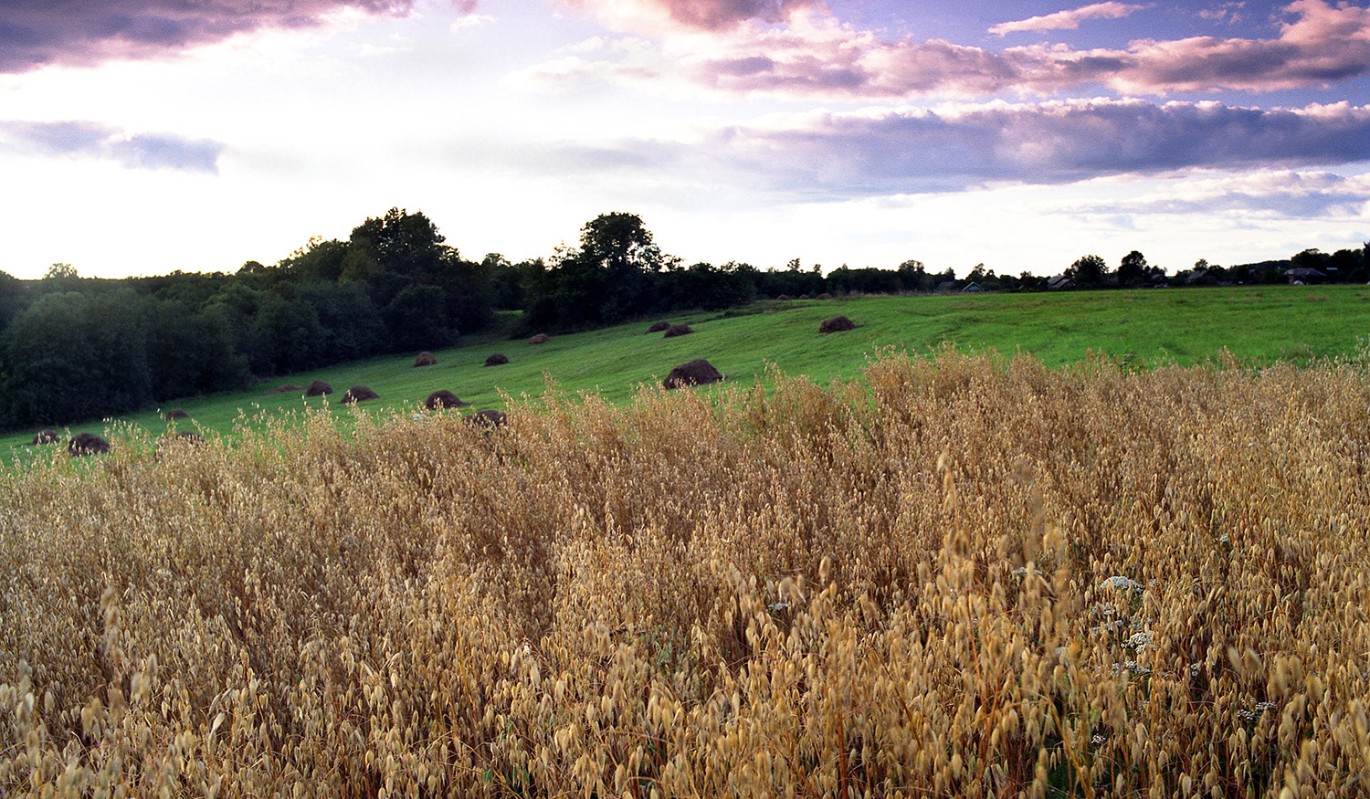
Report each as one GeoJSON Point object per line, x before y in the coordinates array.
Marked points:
{"type": "Point", "coordinates": [1067, 20]}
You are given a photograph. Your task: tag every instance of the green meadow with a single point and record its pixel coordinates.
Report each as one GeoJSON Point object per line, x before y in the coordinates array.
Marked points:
{"type": "Point", "coordinates": [1138, 329]}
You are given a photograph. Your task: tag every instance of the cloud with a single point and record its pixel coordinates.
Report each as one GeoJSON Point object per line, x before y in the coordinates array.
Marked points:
{"type": "Point", "coordinates": [1067, 20]}
{"type": "Point", "coordinates": [1268, 193]}
{"type": "Point", "coordinates": [814, 55]}
{"type": "Point", "coordinates": [93, 140]}
{"type": "Point", "coordinates": [34, 33]}
{"type": "Point", "coordinates": [470, 20]}
{"type": "Point", "coordinates": [1230, 13]}
{"type": "Point", "coordinates": [884, 153]}
{"type": "Point", "coordinates": [707, 15]}
{"type": "Point", "coordinates": [914, 151]}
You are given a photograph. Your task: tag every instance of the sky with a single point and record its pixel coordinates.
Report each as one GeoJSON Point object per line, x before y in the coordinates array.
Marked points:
{"type": "Point", "coordinates": [138, 137]}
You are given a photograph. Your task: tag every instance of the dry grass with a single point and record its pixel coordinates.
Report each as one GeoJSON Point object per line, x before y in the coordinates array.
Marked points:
{"type": "Point", "coordinates": [894, 588]}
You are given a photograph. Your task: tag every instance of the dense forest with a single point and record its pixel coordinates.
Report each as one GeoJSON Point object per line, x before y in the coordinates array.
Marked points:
{"type": "Point", "coordinates": [74, 348]}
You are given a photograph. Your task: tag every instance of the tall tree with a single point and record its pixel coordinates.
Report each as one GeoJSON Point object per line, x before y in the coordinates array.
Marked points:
{"type": "Point", "coordinates": [401, 242]}
{"type": "Point", "coordinates": [1133, 269]}
{"type": "Point", "coordinates": [620, 252]}
{"type": "Point", "coordinates": [1088, 271]}
{"type": "Point", "coordinates": [610, 277]}
{"type": "Point", "coordinates": [401, 251]}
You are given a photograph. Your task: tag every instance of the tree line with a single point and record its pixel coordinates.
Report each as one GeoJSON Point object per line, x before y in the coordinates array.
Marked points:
{"type": "Point", "coordinates": [74, 348]}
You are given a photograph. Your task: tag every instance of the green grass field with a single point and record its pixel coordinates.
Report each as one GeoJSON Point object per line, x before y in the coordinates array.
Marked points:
{"type": "Point", "coordinates": [1258, 325]}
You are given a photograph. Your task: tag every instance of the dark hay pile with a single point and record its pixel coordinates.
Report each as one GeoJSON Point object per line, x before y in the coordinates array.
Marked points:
{"type": "Point", "coordinates": [694, 373]}
{"type": "Point", "coordinates": [836, 325]}
{"type": "Point", "coordinates": [359, 394]}
{"type": "Point", "coordinates": [658, 327]}
{"type": "Point", "coordinates": [317, 389]}
{"type": "Point", "coordinates": [824, 296]}
{"type": "Point", "coordinates": [497, 359]}
{"type": "Point", "coordinates": [489, 417]}
{"type": "Point", "coordinates": [425, 359]}
{"type": "Point", "coordinates": [677, 330]}
{"type": "Point", "coordinates": [83, 444]}
{"type": "Point", "coordinates": [783, 298]}
{"type": "Point", "coordinates": [443, 399]}
{"type": "Point", "coordinates": [285, 388]}
{"type": "Point", "coordinates": [47, 436]}
{"type": "Point", "coordinates": [176, 413]}
{"type": "Point", "coordinates": [540, 338]}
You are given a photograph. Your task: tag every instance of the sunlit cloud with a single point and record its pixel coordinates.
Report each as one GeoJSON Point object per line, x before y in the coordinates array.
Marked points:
{"type": "Point", "coordinates": [1067, 20]}
{"type": "Point", "coordinates": [816, 55]}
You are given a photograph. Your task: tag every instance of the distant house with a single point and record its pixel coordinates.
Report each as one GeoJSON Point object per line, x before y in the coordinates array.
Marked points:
{"type": "Point", "coordinates": [1304, 275]}
{"type": "Point", "coordinates": [972, 286]}
{"type": "Point", "coordinates": [946, 286]}
{"type": "Point", "coordinates": [1060, 282]}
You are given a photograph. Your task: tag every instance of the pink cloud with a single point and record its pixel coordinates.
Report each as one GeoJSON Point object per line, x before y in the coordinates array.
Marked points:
{"type": "Point", "coordinates": [1067, 20]}
{"type": "Point", "coordinates": [708, 15]}
{"type": "Point", "coordinates": [1322, 45]}
{"type": "Point", "coordinates": [38, 32]}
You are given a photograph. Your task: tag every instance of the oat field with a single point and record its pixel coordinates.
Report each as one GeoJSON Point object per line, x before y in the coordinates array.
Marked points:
{"type": "Point", "coordinates": [954, 576]}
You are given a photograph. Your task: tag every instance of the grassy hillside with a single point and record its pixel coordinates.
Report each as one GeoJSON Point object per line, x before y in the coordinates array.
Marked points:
{"type": "Point", "coordinates": [1258, 325]}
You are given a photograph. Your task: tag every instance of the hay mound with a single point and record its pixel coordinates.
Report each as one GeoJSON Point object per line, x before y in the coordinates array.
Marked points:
{"type": "Point", "coordinates": [46, 436]}
{"type": "Point", "coordinates": [824, 296]}
{"type": "Point", "coordinates": [425, 359]}
{"type": "Point", "coordinates": [836, 325]}
{"type": "Point", "coordinates": [694, 373]}
{"type": "Point", "coordinates": [176, 413]}
{"type": "Point", "coordinates": [317, 389]}
{"type": "Point", "coordinates": [783, 298]}
{"type": "Point", "coordinates": [443, 399]}
{"type": "Point", "coordinates": [359, 394]}
{"type": "Point", "coordinates": [489, 417]}
{"type": "Point", "coordinates": [657, 327]}
{"type": "Point", "coordinates": [677, 330]}
{"type": "Point", "coordinates": [83, 444]}
{"type": "Point", "coordinates": [285, 388]}
{"type": "Point", "coordinates": [497, 359]}
{"type": "Point", "coordinates": [540, 338]}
